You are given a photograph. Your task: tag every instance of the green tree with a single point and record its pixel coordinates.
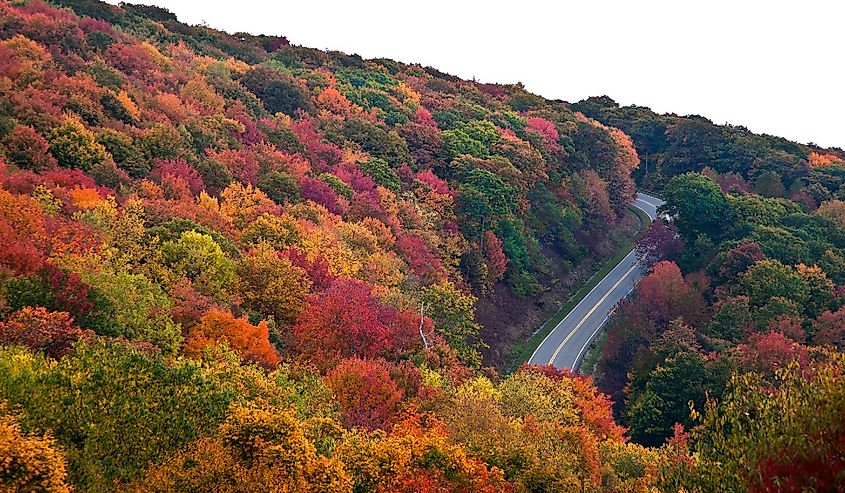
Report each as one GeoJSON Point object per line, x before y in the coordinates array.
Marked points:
{"type": "Point", "coordinates": [485, 199]}
{"type": "Point", "coordinates": [520, 247]}
{"type": "Point", "coordinates": [162, 141]}
{"type": "Point", "coordinates": [772, 309]}
{"type": "Point", "coordinates": [769, 184]}
{"type": "Point", "coordinates": [483, 131]}
{"type": "Point", "coordinates": [453, 313]}
{"type": "Point", "coordinates": [128, 304]}
{"type": "Point", "coordinates": [281, 187]}
{"type": "Point", "coordinates": [731, 316]}
{"type": "Point", "coordinates": [279, 92]}
{"type": "Point", "coordinates": [697, 205]}
{"type": "Point", "coordinates": [381, 173]}
{"type": "Point", "coordinates": [679, 380]}
{"type": "Point", "coordinates": [458, 142]}
{"type": "Point", "coordinates": [113, 408]}
{"type": "Point", "coordinates": [762, 438]}
{"type": "Point", "coordinates": [381, 143]}
{"type": "Point", "coordinates": [755, 210]}
{"type": "Point", "coordinates": [199, 258]}
{"type": "Point", "coordinates": [339, 186]}
{"type": "Point", "coordinates": [781, 244]}
{"type": "Point", "coordinates": [768, 279]}
{"type": "Point", "coordinates": [74, 146]}
{"type": "Point", "coordinates": [126, 155]}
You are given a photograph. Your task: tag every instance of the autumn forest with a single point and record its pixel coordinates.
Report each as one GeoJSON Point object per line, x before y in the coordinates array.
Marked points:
{"type": "Point", "coordinates": [230, 263]}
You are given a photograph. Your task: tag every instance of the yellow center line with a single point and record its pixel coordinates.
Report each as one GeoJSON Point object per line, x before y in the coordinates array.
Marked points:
{"type": "Point", "coordinates": [593, 309]}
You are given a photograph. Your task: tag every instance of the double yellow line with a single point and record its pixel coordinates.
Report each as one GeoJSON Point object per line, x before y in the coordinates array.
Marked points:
{"type": "Point", "coordinates": [592, 310]}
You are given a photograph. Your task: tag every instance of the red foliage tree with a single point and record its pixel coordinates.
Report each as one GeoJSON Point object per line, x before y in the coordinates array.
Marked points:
{"type": "Point", "coordinates": [131, 59]}
{"type": "Point", "coordinates": [41, 330]}
{"type": "Point", "coordinates": [407, 377]}
{"type": "Point", "coordinates": [175, 188]}
{"type": "Point", "coordinates": [321, 193]}
{"type": "Point", "coordinates": [346, 320]}
{"type": "Point", "coordinates": [321, 154]}
{"type": "Point", "coordinates": [68, 178]}
{"type": "Point", "coordinates": [737, 260]}
{"type": "Point", "coordinates": [70, 292]}
{"type": "Point", "coordinates": [424, 117]}
{"type": "Point", "coordinates": [355, 178]}
{"type": "Point", "coordinates": [661, 241]}
{"type": "Point", "coordinates": [429, 178]}
{"type": "Point", "coordinates": [661, 294]}
{"type": "Point", "coordinates": [317, 269]}
{"type": "Point", "coordinates": [421, 260]}
{"type": "Point", "coordinates": [241, 163]}
{"type": "Point", "coordinates": [790, 327]}
{"type": "Point", "coordinates": [189, 306]}
{"type": "Point", "coordinates": [766, 352]}
{"type": "Point", "coordinates": [829, 328]}
{"type": "Point", "coordinates": [494, 256]}
{"type": "Point", "coordinates": [802, 197]}
{"type": "Point", "coordinates": [424, 141]}
{"type": "Point", "coordinates": [366, 394]}
{"type": "Point", "coordinates": [251, 134]}
{"type": "Point", "coordinates": [728, 182]}
{"type": "Point", "coordinates": [28, 149]}
{"type": "Point", "coordinates": [181, 169]}
{"type": "Point", "coordinates": [798, 469]}
{"type": "Point", "coordinates": [597, 200]}
{"type": "Point", "coordinates": [547, 130]}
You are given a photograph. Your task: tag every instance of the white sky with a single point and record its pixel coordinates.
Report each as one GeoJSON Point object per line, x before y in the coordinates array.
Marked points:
{"type": "Point", "coordinates": [773, 66]}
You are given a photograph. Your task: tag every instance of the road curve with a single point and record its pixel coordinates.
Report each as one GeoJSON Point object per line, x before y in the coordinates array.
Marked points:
{"type": "Point", "coordinates": [567, 342]}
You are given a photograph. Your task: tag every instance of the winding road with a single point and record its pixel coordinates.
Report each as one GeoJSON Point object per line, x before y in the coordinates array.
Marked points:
{"type": "Point", "coordinates": [568, 341]}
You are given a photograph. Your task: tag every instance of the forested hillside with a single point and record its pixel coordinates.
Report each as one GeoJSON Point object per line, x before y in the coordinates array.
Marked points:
{"type": "Point", "coordinates": [746, 279]}
{"type": "Point", "coordinates": [395, 175]}
{"type": "Point", "coordinates": [229, 263]}
{"type": "Point", "coordinates": [739, 160]}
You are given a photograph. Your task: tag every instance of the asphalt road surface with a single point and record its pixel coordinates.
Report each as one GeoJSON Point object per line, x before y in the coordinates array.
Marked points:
{"type": "Point", "coordinates": [568, 341]}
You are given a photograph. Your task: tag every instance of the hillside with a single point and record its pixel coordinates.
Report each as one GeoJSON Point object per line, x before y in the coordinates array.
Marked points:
{"type": "Point", "coordinates": [747, 279]}
{"type": "Point", "coordinates": [230, 263]}
{"type": "Point", "coordinates": [441, 162]}
{"type": "Point", "coordinates": [739, 160]}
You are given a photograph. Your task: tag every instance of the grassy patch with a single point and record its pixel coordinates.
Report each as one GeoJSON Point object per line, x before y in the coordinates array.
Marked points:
{"type": "Point", "coordinates": [524, 349]}
{"type": "Point", "coordinates": [591, 359]}
{"type": "Point", "coordinates": [645, 221]}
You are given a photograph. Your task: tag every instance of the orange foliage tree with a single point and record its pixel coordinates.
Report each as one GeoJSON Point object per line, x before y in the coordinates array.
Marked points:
{"type": "Point", "coordinates": [23, 235]}
{"type": "Point", "coordinates": [250, 341]}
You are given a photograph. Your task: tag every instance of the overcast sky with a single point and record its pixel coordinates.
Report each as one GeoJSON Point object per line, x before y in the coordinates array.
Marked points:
{"type": "Point", "coordinates": [773, 66]}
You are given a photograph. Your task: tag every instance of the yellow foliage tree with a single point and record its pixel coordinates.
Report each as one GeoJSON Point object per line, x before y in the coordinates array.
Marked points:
{"type": "Point", "coordinates": [417, 455]}
{"type": "Point", "coordinates": [29, 462]}
{"type": "Point", "coordinates": [271, 285]}
{"type": "Point", "coordinates": [255, 450]}
{"type": "Point", "coordinates": [129, 105]}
